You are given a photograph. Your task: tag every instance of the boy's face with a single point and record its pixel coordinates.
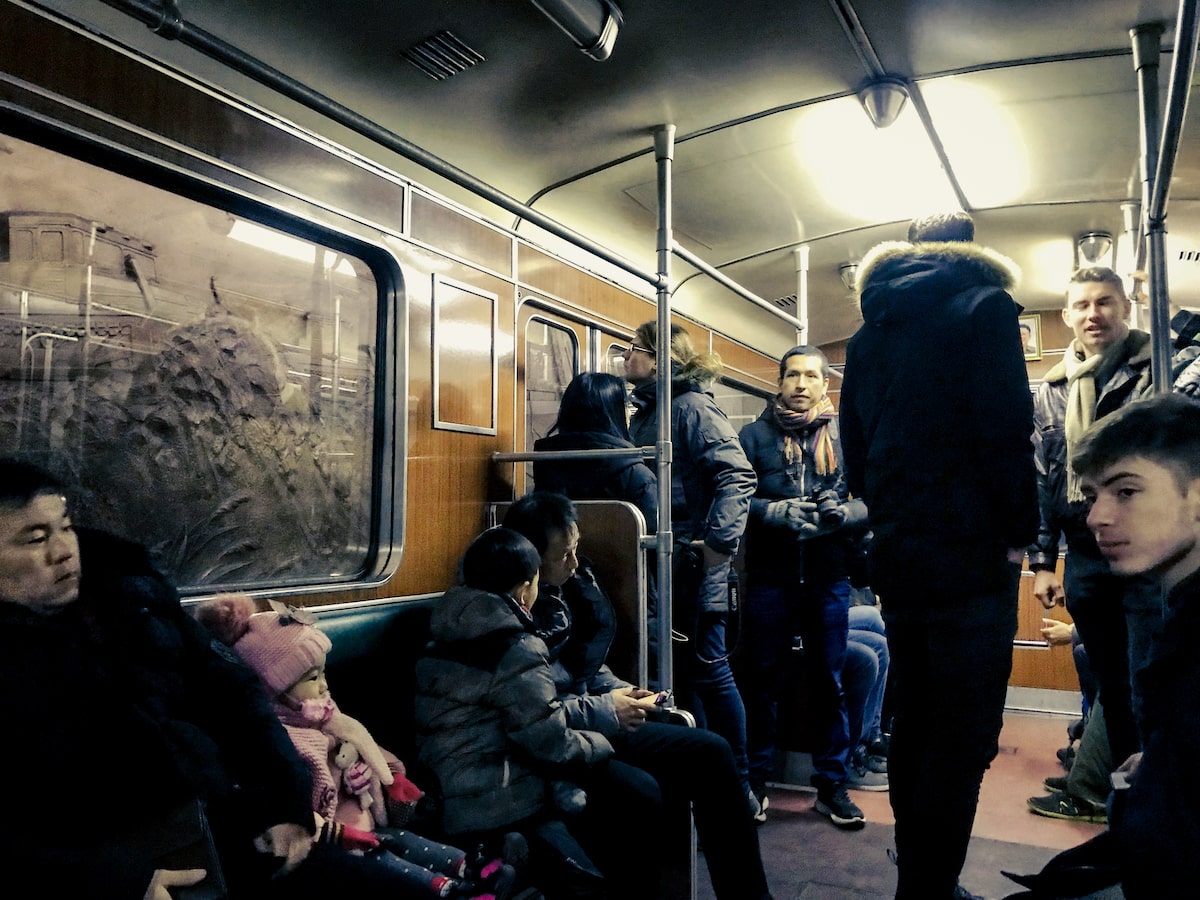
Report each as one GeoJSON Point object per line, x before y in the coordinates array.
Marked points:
{"type": "Point", "coordinates": [312, 686]}
{"type": "Point", "coordinates": [39, 554]}
{"type": "Point", "coordinates": [1144, 521]}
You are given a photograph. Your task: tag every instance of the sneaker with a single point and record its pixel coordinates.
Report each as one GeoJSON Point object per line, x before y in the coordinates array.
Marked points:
{"type": "Point", "coordinates": [860, 778]}
{"type": "Point", "coordinates": [961, 893]}
{"type": "Point", "coordinates": [1061, 805]}
{"type": "Point", "coordinates": [879, 746]}
{"type": "Point", "coordinates": [834, 802]}
{"type": "Point", "coordinates": [1055, 784]}
{"type": "Point", "coordinates": [1066, 756]}
{"type": "Point", "coordinates": [872, 762]}
{"type": "Point", "coordinates": [759, 801]}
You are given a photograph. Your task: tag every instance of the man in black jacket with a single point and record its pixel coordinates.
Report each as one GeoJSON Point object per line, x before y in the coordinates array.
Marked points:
{"type": "Point", "coordinates": [936, 418]}
{"type": "Point", "coordinates": [120, 711]}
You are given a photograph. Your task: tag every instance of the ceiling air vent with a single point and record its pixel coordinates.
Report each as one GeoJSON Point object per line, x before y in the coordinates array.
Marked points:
{"type": "Point", "coordinates": [441, 55]}
{"type": "Point", "coordinates": [788, 302]}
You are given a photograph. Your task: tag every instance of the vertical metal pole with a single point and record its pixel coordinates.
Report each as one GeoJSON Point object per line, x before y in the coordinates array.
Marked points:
{"type": "Point", "coordinates": [664, 155]}
{"type": "Point", "coordinates": [1187, 33]}
{"type": "Point", "coordinates": [1146, 47]}
{"type": "Point", "coordinates": [801, 254]}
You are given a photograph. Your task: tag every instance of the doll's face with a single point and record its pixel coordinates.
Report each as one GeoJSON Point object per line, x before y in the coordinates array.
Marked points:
{"type": "Point", "coordinates": [311, 686]}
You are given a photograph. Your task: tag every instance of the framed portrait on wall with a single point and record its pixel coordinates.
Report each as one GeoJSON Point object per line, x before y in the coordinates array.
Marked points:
{"type": "Point", "coordinates": [1031, 335]}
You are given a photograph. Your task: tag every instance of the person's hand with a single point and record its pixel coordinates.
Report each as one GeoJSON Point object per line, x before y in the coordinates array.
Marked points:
{"type": "Point", "coordinates": [1055, 631]}
{"type": "Point", "coordinates": [289, 841]}
{"type": "Point", "coordinates": [1129, 768]}
{"type": "Point", "coordinates": [1015, 555]}
{"type": "Point", "coordinates": [793, 513]}
{"type": "Point", "coordinates": [1048, 588]}
{"type": "Point", "coordinates": [631, 710]}
{"type": "Point", "coordinates": [169, 878]}
{"type": "Point", "coordinates": [712, 558]}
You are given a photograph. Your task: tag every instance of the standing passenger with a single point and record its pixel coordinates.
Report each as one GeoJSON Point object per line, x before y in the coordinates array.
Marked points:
{"type": "Point", "coordinates": [591, 416]}
{"type": "Point", "coordinates": [1106, 367]}
{"type": "Point", "coordinates": [798, 544]}
{"type": "Point", "coordinates": [712, 483]}
{"type": "Point", "coordinates": [936, 418]}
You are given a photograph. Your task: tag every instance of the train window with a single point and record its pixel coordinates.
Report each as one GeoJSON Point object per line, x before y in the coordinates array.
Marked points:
{"type": "Point", "coordinates": [551, 361]}
{"type": "Point", "coordinates": [464, 358]}
{"type": "Point", "coordinates": [210, 384]}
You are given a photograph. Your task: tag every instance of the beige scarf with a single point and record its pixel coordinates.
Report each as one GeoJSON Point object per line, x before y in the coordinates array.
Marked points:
{"type": "Point", "coordinates": [1081, 398]}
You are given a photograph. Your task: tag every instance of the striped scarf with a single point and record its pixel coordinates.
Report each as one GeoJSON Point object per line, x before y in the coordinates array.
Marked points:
{"type": "Point", "coordinates": [797, 426]}
{"type": "Point", "coordinates": [1084, 374]}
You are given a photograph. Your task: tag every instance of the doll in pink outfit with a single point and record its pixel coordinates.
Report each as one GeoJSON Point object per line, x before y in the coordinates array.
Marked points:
{"type": "Point", "coordinates": [359, 789]}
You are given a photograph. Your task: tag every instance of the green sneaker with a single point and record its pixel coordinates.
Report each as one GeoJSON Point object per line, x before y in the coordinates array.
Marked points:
{"type": "Point", "coordinates": [1061, 805]}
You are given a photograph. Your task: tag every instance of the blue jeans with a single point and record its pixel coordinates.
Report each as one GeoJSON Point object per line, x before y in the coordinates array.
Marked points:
{"type": "Point", "coordinates": [704, 681]}
{"type": "Point", "coordinates": [951, 650]}
{"type": "Point", "coordinates": [774, 614]}
{"type": "Point", "coordinates": [867, 630]}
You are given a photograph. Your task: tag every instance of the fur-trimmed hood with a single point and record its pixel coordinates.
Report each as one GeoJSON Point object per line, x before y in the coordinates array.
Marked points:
{"type": "Point", "coordinates": [899, 280]}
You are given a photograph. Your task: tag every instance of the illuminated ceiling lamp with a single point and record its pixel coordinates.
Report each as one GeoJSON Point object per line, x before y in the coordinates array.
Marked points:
{"type": "Point", "coordinates": [1094, 248]}
{"type": "Point", "coordinates": [848, 272]}
{"type": "Point", "coordinates": [883, 100]}
{"type": "Point", "coordinates": [591, 24]}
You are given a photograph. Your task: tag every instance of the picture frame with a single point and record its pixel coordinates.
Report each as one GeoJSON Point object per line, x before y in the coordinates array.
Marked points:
{"type": "Point", "coordinates": [1031, 335]}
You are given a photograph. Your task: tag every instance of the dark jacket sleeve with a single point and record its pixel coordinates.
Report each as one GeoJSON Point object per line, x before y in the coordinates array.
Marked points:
{"type": "Point", "coordinates": [717, 455]}
{"type": "Point", "coordinates": [1005, 425]}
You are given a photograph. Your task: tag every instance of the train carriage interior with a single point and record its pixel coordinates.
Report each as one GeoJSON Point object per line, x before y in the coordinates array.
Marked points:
{"type": "Point", "coordinates": [291, 289]}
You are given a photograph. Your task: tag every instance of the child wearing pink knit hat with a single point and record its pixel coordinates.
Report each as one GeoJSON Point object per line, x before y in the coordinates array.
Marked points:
{"type": "Point", "coordinates": [357, 785]}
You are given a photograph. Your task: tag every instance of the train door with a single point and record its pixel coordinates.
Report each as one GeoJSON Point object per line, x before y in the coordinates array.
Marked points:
{"type": "Point", "coordinates": [550, 352]}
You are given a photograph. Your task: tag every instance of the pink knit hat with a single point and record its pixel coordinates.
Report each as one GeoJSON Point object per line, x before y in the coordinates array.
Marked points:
{"type": "Point", "coordinates": [277, 645]}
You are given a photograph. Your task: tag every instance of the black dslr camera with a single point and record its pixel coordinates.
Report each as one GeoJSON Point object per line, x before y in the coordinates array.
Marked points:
{"type": "Point", "coordinates": [829, 508]}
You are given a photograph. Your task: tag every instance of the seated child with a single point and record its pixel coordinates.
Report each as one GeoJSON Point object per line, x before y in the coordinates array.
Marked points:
{"type": "Point", "coordinates": [358, 787]}
{"type": "Point", "coordinates": [1140, 471]}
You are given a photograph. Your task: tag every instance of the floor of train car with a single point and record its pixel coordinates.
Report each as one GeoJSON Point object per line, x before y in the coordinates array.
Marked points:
{"type": "Point", "coordinates": [807, 858]}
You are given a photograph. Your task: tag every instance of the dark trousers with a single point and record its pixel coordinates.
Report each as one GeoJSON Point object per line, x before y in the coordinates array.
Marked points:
{"type": "Point", "coordinates": [686, 765]}
{"type": "Point", "coordinates": [1114, 617]}
{"type": "Point", "coordinates": [951, 655]}
{"type": "Point", "coordinates": [773, 616]}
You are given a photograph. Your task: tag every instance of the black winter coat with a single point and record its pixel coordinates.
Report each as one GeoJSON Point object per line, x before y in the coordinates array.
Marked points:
{"type": "Point", "coordinates": [597, 479]}
{"type": "Point", "coordinates": [118, 708]}
{"type": "Point", "coordinates": [936, 415]}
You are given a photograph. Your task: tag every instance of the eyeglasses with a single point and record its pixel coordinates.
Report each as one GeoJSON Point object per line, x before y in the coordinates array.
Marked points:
{"type": "Point", "coordinates": [634, 348]}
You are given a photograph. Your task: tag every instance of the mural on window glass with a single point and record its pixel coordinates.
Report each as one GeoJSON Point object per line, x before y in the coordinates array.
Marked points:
{"type": "Point", "coordinates": [206, 382]}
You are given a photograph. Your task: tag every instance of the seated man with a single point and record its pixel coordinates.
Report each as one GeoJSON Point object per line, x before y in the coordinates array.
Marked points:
{"type": "Point", "coordinates": [122, 714]}
{"type": "Point", "coordinates": [655, 763]}
{"type": "Point", "coordinates": [1140, 471]}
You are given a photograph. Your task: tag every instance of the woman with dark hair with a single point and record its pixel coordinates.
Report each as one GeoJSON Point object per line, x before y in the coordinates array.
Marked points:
{"type": "Point", "coordinates": [591, 416]}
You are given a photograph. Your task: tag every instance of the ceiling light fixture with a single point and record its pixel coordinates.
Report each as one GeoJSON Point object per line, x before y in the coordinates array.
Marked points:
{"type": "Point", "coordinates": [848, 272]}
{"type": "Point", "coordinates": [1095, 248]}
{"type": "Point", "coordinates": [592, 24]}
{"type": "Point", "coordinates": [883, 100]}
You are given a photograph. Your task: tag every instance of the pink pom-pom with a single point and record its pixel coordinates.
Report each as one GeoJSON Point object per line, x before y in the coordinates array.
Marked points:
{"type": "Point", "coordinates": [226, 616]}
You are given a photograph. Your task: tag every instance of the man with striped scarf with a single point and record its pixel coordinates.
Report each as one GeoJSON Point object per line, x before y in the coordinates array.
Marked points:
{"type": "Point", "coordinates": [799, 542]}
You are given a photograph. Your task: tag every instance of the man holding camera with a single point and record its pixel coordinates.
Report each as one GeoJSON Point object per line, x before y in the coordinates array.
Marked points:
{"type": "Point", "coordinates": [799, 543]}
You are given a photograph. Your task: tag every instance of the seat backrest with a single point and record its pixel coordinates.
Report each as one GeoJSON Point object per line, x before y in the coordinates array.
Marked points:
{"type": "Point", "coordinates": [611, 533]}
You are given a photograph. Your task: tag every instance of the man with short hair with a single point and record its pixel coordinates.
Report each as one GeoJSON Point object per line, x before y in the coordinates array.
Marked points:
{"type": "Point", "coordinates": [1139, 471]}
{"type": "Point", "coordinates": [1105, 367]}
{"type": "Point", "coordinates": [656, 765]}
{"type": "Point", "coordinates": [121, 713]}
{"type": "Point", "coordinates": [799, 542]}
{"type": "Point", "coordinates": [936, 419]}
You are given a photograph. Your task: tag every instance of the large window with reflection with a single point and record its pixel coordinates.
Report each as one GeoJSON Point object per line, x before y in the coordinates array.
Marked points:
{"type": "Point", "coordinates": [208, 383]}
